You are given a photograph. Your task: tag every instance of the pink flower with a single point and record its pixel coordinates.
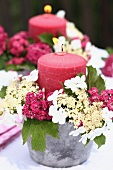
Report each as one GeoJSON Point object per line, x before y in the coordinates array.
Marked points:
{"type": "Point", "coordinates": [93, 91]}
{"type": "Point", "coordinates": [110, 105]}
{"type": "Point", "coordinates": [36, 50]}
{"type": "Point", "coordinates": [95, 98]}
{"type": "Point", "coordinates": [16, 60]}
{"type": "Point", "coordinates": [23, 34]}
{"type": "Point", "coordinates": [17, 45]}
{"type": "Point", "coordinates": [40, 95]}
{"type": "Point", "coordinates": [110, 91]}
{"type": "Point", "coordinates": [104, 95]}
{"type": "Point", "coordinates": [81, 124]}
{"type": "Point", "coordinates": [30, 97]}
{"type": "Point", "coordinates": [27, 112]}
{"type": "Point", "coordinates": [36, 107]}
{"type": "Point", "coordinates": [3, 38]}
{"type": "Point", "coordinates": [107, 70]}
{"type": "Point", "coordinates": [85, 41]}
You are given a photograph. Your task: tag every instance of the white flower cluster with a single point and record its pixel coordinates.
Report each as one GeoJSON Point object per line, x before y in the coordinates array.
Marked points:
{"type": "Point", "coordinates": [15, 95]}
{"type": "Point", "coordinates": [90, 120]}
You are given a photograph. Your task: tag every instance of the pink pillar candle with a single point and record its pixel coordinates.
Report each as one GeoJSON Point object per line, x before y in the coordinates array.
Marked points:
{"type": "Point", "coordinates": [55, 68]}
{"type": "Point", "coordinates": [46, 23]}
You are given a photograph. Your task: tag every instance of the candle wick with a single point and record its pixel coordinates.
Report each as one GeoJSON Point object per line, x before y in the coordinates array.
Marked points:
{"type": "Point", "coordinates": [62, 48]}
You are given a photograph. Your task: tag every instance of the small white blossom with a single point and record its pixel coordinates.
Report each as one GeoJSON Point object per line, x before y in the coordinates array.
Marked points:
{"type": "Point", "coordinates": [96, 132]}
{"type": "Point", "coordinates": [92, 134]}
{"type": "Point", "coordinates": [54, 96]}
{"type": "Point", "coordinates": [72, 31]}
{"type": "Point", "coordinates": [7, 77]}
{"type": "Point", "coordinates": [58, 116]}
{"type": "Point", "coordinates": [61, 14]}
{"type": "Point", "coordinates": [32, 77]}
{"type": "Point", "coordinates": [74, 83]}
{"type": "Point", "coordinates": [76, 44]}
{"type": "Point", "coordinates": [77, 131]}
{"type": "Point", "coordinates": [88, 46]}
{"type": "Point", "coordinates": [84, 139]}
{"type": "Point", "coordinates": [19, 111]}
{"type": "Point", "coordinates": [107, 115]}
{"type": "Point", "coordinates": [58, 46]}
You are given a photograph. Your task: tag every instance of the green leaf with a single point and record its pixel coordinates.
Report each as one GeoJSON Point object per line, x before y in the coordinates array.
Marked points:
{"type": "Point", "coordinates": [94, 80]}
{"type": "Point", "coordinates": [80, 74]}
{"type": "Point", "coordinates": [21, 67]}
{"type": "Point", "coordinates": [3, 60]}
{"type": "Point", "coordinates": [31, 41]}
{"type": "Point", "coordinates": [100, 140]}
{"type": "Point", "coordinates": [38, 131]}
{"type": "Point", "coordinates": [109, 50]}
{"type": "Point", "coordinates": [46, 38]}
{"type": "Point", "coordinates": [88, 140]}
{"type": "Point", "coordinates": [3, 92]}
{"type": "Point", "coordinates": [59, 34]}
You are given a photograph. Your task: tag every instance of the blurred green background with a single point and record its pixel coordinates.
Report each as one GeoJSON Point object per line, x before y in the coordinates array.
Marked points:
{"type": "Point", "coordinates": [92, 17]}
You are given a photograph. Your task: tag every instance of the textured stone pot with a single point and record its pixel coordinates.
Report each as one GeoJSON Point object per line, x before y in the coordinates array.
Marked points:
{"type": "Point", "coordinates": [64, 152]}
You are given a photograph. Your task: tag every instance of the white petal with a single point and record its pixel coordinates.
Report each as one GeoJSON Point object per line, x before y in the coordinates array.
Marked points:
{"type": "Point", "coordinates": [77, 131]}
{"type": "Point", "coordinates": [62, 40]}
{"type": "Point", "coordinates": [88, 46]}
{"type": "Point", "coordinates": [61, 14]}
{"type": "Point", "coordinates": [76, 44]}
{"type": "Point", "coordinates": [84, 139]}
{"type": "Point", "coordinates": [32, 77]}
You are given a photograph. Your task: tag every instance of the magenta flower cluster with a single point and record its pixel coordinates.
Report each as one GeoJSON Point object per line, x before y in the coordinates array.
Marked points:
{"type": "Point", "coordinates": [3, 38]}
{"type": "Point", "coordinates": [106, 97]}
{"type": "Point", "coordinates": [18, 44]}
{"type": "Point", "coordinates": [36, 50]}
{"type": "Point", "coordinates": [36, 106]}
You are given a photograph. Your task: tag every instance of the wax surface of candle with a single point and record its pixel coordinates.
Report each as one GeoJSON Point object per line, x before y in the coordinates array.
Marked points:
{"type": "Point", "coordinates": [46, 23]}
{"type": "Point", "coordinates": [54, 69]}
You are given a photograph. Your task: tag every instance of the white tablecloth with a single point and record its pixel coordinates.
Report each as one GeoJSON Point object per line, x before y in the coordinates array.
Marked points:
{"type": "Point", "coordinates": [16, 156]}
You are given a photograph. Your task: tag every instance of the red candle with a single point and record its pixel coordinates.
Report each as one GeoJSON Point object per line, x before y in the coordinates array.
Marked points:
{"type": "Point", "coordinates": [55, 68]}
{"type": "Point", "coordinates": [46, 23]}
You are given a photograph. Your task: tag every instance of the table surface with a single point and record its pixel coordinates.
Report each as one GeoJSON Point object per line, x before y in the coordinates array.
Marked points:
{"type": "Point", "coordinates": [16, 155]}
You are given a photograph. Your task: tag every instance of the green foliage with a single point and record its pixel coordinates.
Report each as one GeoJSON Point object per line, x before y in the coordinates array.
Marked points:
{"type": "Point", "coordinates": [46, 38]}
{"type": "Point", "coordinates": [80, 74]}
{"type": "Point", "coordinates": [3, 92]}
{"type": "Point", "coordinates": [21, 67]}
{"type": "Point", "coordinates": [88, 140]}
{"type": "Point", "coordinates": [109, 50]}
{"type": "Point", "coordinates": [3, 60]}
{"type": "Point", "coordinates": [94, 80]}
{"type": "Point", "coordinates": [100, 140]}
{"type": "Point", "coordinates": [38, 131]}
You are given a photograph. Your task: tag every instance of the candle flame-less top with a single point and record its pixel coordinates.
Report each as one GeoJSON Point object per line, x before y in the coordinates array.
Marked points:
{"type": "Point", "coordinates": [47, 9]}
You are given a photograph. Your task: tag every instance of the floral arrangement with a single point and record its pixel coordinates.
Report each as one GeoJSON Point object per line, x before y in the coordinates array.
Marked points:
{"type": "Point", "coordinates": [83, 101]}
{"type": "Point", "coordinates": [21, 52]}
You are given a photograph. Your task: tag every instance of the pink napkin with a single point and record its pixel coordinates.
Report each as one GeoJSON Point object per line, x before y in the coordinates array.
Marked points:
{"type": "Point", "coordinates": [8, 134]}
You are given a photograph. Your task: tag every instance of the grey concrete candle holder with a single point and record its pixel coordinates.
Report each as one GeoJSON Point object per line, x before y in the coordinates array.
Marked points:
{"type": "Point", "coordinates": [64, 152]}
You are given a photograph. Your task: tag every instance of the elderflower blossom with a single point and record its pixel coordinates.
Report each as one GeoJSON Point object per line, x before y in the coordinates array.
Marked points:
{"type": "Point", "coordinates": [15, 94]}
{"type": "Point", "coordinates": [79, 109]}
